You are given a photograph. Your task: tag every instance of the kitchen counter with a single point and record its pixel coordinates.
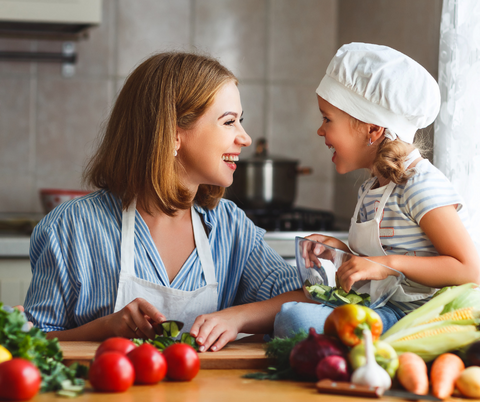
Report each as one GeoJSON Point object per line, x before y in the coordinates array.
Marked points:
{"type": "Point", "coordinates": [215, 386]}
{"type": "Point", "coordinates": [17, 246]}
{"type": "Point", "coordinates": [220, 379]}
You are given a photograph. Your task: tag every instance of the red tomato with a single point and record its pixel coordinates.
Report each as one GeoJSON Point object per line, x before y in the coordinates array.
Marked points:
{"type": "Point", "coordinates": [111, 372]}
{"type": "Point", "coordinates": [183, 362]}
{"type": "Point", "coordinates": [116, 344]}
{"type": "Point", "coordinates": [19, 380]}
{"type": "Point", "coordinates": [149, 364]}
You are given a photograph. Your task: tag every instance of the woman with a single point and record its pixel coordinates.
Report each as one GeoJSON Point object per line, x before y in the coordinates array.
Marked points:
{"type": "Point", "coordinates": [157, 241]}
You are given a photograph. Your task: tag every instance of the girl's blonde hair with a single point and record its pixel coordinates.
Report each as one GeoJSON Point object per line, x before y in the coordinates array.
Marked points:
{"type": "Point", "coordinates": [136, 154]}
{"type": "Point", "coordinates": [391, 155]}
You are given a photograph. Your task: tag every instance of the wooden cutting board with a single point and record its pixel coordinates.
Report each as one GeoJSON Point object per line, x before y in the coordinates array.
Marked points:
{"type": "Point", "coordinates": [242, 354]}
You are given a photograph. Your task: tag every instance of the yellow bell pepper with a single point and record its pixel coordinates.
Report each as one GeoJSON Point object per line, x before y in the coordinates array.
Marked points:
{"type": "Point", "coordinates": [348, 321]}
{"type": "Point", "coordinates": [4, 354]}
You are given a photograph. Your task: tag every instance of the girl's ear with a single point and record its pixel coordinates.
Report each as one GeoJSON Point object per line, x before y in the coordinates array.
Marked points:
{"type": "Point", "coordinates": [375, 132]}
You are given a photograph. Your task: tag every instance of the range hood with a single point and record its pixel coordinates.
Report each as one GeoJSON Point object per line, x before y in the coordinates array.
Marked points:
{"type": "Point", "coordinates": [49, 19]}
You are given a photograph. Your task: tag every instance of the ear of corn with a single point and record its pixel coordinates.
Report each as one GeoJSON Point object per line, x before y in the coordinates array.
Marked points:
{"type": "Point", "coordinates": [435, 328]}
{"type": "Point", "coordinates": [437, 331]}
{"type": "Point", "coordinates": [432, 308]}
{"type": "Point", "coordinates": [466, 313]}
{"type": "Point", "coordinates": [429, 329]}
{"type": "Point", "coordinates": [429, 347]}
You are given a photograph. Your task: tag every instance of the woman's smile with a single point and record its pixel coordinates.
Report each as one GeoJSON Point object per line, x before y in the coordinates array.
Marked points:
{"type": "Point", "coordinates": [230, 160]}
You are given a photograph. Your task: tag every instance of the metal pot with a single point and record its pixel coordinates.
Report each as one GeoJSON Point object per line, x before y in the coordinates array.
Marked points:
{"type": "Point", "coordinates": [264, 181]}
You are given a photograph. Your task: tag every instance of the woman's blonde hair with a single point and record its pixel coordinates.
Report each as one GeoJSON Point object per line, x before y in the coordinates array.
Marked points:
{"type": "Point", "coordinates": [391, 156]}
{"type": "Point", "coordinates": [136, 156]}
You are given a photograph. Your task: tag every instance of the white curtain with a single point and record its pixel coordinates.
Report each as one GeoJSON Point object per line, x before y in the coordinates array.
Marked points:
{"type": "Point", "coordinates": [457, 128]}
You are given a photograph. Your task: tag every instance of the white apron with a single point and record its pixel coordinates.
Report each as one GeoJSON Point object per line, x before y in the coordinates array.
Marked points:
{"type": "Point", "coordinates": [174, 304]}
{"type": "Point", "coordinates": [364, 239]}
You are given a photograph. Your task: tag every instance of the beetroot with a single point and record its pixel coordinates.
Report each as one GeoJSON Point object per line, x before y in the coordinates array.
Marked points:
{"type": "Point", "coordinates": [306, 355]}
{"type": "Point", "coordinates": [333, 368]}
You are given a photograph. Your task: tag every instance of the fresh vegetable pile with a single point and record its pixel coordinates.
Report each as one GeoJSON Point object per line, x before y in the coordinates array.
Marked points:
{"type": "Point", "coordinates": [336, 296]}
{"type": "Point", "coordinates": [426, 351]}
{"type": "Point", "coordinates": [22, 348]}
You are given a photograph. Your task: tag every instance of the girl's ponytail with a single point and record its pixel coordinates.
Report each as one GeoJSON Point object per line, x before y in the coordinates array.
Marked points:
{"type": "Point", "coordinates": [389, 161]}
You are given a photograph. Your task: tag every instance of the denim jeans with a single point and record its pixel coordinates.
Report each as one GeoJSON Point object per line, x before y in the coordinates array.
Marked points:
{"type": "Point", "coordinates": [295, 316]}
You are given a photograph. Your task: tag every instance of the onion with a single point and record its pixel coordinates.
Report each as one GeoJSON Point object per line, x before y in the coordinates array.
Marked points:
{"type": "Point", "coordinates": [306, 355]}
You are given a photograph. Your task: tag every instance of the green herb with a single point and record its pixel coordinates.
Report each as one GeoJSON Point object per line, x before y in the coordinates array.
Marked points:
{"type": "Point", "coordinates": [162, 342]}
{"type": "Point", "coordinates": [31, 344]}
{"type": "Point", "coordinates": [279, 349]}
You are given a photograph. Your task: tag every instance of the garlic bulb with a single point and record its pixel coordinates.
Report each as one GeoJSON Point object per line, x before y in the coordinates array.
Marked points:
{"type": "Point", "coordinates": [371, 373]}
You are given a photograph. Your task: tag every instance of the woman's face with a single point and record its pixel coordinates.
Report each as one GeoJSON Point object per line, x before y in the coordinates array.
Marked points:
{"type": "Point", "coordinates": [348, 142]}
{"type": "Point", "coordinates": [209, 149]}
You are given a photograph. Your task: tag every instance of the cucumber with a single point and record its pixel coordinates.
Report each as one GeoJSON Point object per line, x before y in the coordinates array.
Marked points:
{"type": "Point", "coordinates": [174, 331]}
{"type": "Point", "coordinates": [354, 298]}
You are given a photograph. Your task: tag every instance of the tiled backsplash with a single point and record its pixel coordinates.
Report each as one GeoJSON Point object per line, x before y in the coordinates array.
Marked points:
{"type": "Point", "coordinates": [279, 49]}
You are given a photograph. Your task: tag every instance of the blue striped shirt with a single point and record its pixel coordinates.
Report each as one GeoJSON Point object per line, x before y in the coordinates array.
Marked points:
{"type": "Point", "coordinates": [400, 231]}
{"type": "Point", "coordinates": [75, 259]}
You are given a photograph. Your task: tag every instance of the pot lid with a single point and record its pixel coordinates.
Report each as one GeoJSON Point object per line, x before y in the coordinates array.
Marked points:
{"type": "Point", "coordinates": [261, 154]}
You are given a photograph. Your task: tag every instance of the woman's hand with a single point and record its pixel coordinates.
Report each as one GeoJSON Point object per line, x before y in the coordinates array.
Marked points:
{"type": "Point", "coordinates": [20, 307]}
{"type": "Point", "coordinates": [213, 331]}
{"type": "Point", "coordinates": [358, 269]}
{"type": "Point", "coordinates": [135, 320]}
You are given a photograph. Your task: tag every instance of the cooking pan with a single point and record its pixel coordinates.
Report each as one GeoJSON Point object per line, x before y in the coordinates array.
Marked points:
{"type": "Point", "coordinates": [265, 181]}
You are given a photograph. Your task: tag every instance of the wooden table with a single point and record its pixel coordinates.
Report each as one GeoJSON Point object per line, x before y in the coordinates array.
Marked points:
{"type": "Point", "coordinates": [216, 386]}
{"type": "Point", "coordinates": [220, 379]}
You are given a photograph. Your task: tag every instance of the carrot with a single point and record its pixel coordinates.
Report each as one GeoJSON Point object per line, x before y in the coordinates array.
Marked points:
{"type": "Point", "coordinates": [445, 370]}
{"type": "Point", "coordinates": [412, 373]}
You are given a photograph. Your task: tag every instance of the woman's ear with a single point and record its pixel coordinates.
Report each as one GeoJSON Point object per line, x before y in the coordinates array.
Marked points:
{"type": "Point", "coordinates": [375, 132]}
{"type": "Point", "coordinates": [178, 138]}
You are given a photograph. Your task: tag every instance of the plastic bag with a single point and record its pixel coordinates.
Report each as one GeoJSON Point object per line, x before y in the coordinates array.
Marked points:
{"type": "Point", "coordinates": [319, 281]}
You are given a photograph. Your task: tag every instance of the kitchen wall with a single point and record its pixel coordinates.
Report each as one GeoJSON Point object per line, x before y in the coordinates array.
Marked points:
{"type": "Point", "coordinates": [279, 49]}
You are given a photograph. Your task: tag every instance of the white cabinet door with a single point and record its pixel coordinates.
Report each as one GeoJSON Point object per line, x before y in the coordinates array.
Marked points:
{"type": "Point", "coordinates": [15, 277]}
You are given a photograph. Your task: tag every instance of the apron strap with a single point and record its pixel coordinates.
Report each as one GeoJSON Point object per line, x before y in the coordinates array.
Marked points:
{"type": "Point", "coordinates": [203, 248]}
{"type": "Point", "coordinates": [383, 200]}
{"type": "Point", "coordinates": [360, 200]}
{"type": "Point", "coordinates": [128, 239]}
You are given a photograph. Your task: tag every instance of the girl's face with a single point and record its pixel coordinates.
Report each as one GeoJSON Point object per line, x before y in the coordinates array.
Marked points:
{"type": "Point", "coordinates": [209, 149]}
{"type": "Point", "coordinates": [348, 141]}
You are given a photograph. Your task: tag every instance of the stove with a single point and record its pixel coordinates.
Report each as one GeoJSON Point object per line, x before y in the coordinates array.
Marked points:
{"type": "Point", "coordinates": [292, 219]}
{"type": "Point", "coordinates": [283, 225]}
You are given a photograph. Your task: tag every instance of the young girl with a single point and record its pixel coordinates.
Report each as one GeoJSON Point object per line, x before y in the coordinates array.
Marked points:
{"type": "Point", "coordinates": [157, 240]}
{"type": "Point", "coordinates": [408, 215]}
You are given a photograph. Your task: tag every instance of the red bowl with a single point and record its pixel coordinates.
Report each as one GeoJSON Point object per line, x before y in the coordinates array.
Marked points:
{"type": "Point", "coordinates": [52, 197]}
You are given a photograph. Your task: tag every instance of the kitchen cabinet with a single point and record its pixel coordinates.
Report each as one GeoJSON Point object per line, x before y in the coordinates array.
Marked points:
{"type": "Point", "coordinates": [15, 277]}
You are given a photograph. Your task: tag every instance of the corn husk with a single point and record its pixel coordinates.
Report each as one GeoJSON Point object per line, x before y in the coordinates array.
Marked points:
{"type": "Point", "coordinates": [428, 334]}
{"type": "Point", "coordinates": [436, 306]}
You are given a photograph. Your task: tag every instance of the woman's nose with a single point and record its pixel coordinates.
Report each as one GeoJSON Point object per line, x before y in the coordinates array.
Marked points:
{"type": "Point", "coordinates": [243, 138]}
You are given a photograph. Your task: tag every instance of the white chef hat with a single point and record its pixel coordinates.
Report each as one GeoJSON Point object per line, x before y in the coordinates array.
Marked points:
{"type": "Point", "coordinates": [379, 85]}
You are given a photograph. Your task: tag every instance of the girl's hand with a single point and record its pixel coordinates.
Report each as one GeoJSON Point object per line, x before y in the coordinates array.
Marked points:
{"type": "Point", "coordinates": [358, 269]}
{"type": "Point", "coordinates": [213, 331]}
{"type": "Point", "coordinates": [135, 320]}
{"type": "Point", "coordinates": [311, 252]}
{"type": "Point", "coordinates": [329, 241]}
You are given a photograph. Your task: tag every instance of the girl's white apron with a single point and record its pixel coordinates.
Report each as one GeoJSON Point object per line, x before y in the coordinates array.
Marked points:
{"type": "Point", "coordinates": [174, 304]}
{"type": "Point", "coordinates": [364, 239]}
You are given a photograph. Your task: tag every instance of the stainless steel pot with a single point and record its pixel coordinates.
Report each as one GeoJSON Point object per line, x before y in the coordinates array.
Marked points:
{"type": "Point", "coordinates": [265, 181]}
